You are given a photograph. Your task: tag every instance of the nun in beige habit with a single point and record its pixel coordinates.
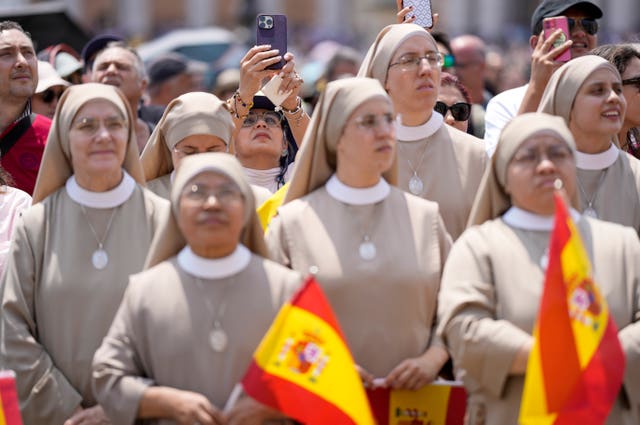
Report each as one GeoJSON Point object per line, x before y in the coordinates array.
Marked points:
{"type": "Point", "coordinates": [435, 161]}
{"type": "Point", "coordinates": [193, 123]}
{"type": "Point", "coordinates": [90, 227]}
{"type": "Point", "coordinates": [493, 279]}
{"type": "Point", "coordinates": [377, 252]}
{"type": "Point", "coordinates": [188, 325]}
{"type": "Point", "coordinates": [586, 93]}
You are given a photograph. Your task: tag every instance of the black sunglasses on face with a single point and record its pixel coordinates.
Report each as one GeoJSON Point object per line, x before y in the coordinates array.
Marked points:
{"type": "Point", "coordinates": [460, 111]}
{"type": "Point", "coordinates": [590, 25]}
{"type": "Point", "coordinates": [48, 95]}
{"type": "Point", "coordinates": [635, 81]}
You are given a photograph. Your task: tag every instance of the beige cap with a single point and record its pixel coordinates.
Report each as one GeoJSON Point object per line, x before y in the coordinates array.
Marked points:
{"type": "Point", "coordinates": [48, 77]}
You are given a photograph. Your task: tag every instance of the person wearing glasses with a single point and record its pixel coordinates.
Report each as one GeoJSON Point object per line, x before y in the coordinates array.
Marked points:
{"type": "Point", "coordinates": [378, 252]}
{"type": "Point", "coordinates": [90, 226]}
{"type": "Point", "coordinates": [493, 279]}
{"type": "Point", "coordinates": [192, 123]}
{"type": "Point", "coordinates": [583, 29]}
{"type": "Point", "coordinates": [587, 93]}
{"type": "Point", "coordinates": [626, 58]}
{"type": "Point", "coordinates": [453, 102]}
{"type": "Point", "coordinates": [189, 324]}
{"type": "Point", "coordinates": [50, 88]}
{"type": "Point", "coordinates": [435, 161]}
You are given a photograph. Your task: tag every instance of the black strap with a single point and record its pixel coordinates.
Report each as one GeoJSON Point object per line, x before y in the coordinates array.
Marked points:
{"type": "Point", "coordinates": [15, 133]}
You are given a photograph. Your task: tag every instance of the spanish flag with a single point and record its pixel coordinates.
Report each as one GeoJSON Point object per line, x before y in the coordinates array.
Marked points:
{"type": "Point", "coordinates": [303, 367]}
{"type": "Point", "coordinates": [576, 365]}
{"type": "Point", "coordinates": [269, 208]}
{"type": "Point", "coordinates": [9, 406]}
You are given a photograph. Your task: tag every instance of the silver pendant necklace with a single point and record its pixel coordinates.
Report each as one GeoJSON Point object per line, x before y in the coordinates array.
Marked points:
{"type": "Point", "coordinates": [367, 248]}
{"type": "Point", "coordinates": [416, 186]}
{"type": "Point", "coordinates": [99, 258]}
{"type": "Point", "coordinates": [218, 339]}
{"type": "Point", "coordinates": [590, 210]}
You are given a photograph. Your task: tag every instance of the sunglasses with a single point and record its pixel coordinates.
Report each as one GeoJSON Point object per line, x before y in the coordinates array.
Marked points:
{"type": "Point", "coordinates": [460, 111]}
{"type": "Point", "coordinates": [49, 95]}
{"type": "Point", "coordinates": [590, 25]}
{"type": "Point", "coordinates": [635, 81]}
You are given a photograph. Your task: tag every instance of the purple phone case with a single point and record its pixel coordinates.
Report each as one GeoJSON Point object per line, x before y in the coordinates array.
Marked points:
{"type": "Point", "coordinates": [552, 24]}
{"type": "Point", "coordinates": [276, 36]}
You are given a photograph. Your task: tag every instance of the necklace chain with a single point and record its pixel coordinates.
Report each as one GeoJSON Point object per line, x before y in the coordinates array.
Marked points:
{"type": "Point", "coordinates": [93, 230]}
{"type": "Point", "coordinates": [219, 314]}
{"type": "Point", "coordinates": [414, 170]}
{"type": "Point", "coordinates": [594, 195]}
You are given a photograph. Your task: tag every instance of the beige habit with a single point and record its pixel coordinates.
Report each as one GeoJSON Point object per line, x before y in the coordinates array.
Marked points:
{"type": "Point", "coordinates": [612, 178]}
{"type": "Point", "coordinates": [449, 162]}
{"type": "Point", "coordinates": [493, 282]}
{"type": "Point", "coordinates": [161, 333]}
{"type": "Point", "coordinates": [386, 306]}
{"type": "Point", "coordinates": [56, 307]}
{"type": "Point", "coordinates": [190, 114]}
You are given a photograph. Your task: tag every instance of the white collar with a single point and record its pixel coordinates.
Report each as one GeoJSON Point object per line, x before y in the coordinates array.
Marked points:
{"type": "Point", "coordinates": [597, 161]}
{"type": "Point", "coordinates": [109, 199]}
{"type": "Point", "coordinates": [214, 268]}
{"type": "Point", "coordinates": [355, 195]}
{"type": "Point", "coordinates": [419, 132]}
{"type": "Point", "coordinates": [521, 219]}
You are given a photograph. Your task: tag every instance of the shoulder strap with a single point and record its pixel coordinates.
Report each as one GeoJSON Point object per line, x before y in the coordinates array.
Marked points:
{"type": "Point", "coordinates": [15, 133]}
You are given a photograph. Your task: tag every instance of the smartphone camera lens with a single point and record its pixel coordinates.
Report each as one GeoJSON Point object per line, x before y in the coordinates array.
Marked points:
{"type": "Point", "coordinates": [265, 22]}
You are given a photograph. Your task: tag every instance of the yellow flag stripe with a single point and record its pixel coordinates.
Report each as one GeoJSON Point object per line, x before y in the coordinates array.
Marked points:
{"type": "Point", "coordinates": [2, 418]}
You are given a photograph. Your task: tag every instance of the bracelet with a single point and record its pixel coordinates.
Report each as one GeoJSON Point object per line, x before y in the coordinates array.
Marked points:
{"type": "Point", "coordinates": [294, 111]}
{"type": "Point", "coordinates": [236, 97]}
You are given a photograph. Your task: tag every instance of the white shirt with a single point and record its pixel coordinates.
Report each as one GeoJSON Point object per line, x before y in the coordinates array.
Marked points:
{"type": "Point", "coordinates": [501, 109]}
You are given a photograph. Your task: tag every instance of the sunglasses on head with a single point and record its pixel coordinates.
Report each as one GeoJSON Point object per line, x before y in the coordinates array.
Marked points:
{"type": "Point", "coordinates": [460, 111]}
{"type": "Point", "coordinates": [590, 25]}
{"type": "Point", "coordinates": [635, 81]}
{"type": "Point", "coordinates": [48, 95]}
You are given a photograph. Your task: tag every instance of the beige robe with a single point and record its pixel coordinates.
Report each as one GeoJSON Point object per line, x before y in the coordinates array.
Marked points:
{"type": "Point", "coordinates": [161, 186]}
{"type": "Point", "coordinates": [56, 307]}
{"type": "Point", "coordinates": [618, 198]}
{"type": "Point", "coordinates": [386, 307]}
{"type": "Point", "coordinates": [451, 171]}
{"type": "Point", "coordinates": [160, 335]}
{"type": "Point", "coordinates": [489, 301]}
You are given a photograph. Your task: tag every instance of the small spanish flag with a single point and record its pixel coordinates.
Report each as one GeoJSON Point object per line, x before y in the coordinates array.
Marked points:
{"type": "Point", "coordinates": [576, 364]}
{"type": "Point", "coordinates": [303, 367]}
{"type": "Point", "coordinates": [269, 208]}
{"type": "Point", "coordinates": [9, 406]}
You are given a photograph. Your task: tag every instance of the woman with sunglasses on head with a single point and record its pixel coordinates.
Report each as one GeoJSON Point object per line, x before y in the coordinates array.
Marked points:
{"type": "Point", "coordinates": [494, 276]}
{"type": "Point", "coordinates": [266, 136]}
{"type": "Point", "coordinates": [90, 227]}
{"type": "Point", "coordinates": [435, 161]}
{"type": "Point", "coordinates": [377, 251]}
{"type": "Point", "coordinates": [453, 102]}
{"type": "Point", "coordinates": [587, 93]}
{"type": "Point", "coordinates": [49, 90]}
{"type": "Point", "coordinates": [626, 58]}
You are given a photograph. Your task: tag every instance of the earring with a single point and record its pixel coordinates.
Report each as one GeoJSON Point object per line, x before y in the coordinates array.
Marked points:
{"type": "Point", "coordinates": [285, 152]}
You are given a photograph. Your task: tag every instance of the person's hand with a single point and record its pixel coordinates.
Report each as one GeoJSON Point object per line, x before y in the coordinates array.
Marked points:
{"type": "Point", "coordinates": [248, 411]}
{"type": "Point", "coordinates": [189, 408]}
{"type": "Point", "coordinates": [543, 64]}
{"type": "Point", "coordinates": [253, 70]}
{"type": "Point", "coordinates": [91, 416]}
{"type": "Point", "coordinates": [405, 15]}
{"type": "Point", "coordinates": [291, 81]}
{"type": "Point", "coordinates": [413, 374]}
{"type": "Point", "coordinates": [365, 376]}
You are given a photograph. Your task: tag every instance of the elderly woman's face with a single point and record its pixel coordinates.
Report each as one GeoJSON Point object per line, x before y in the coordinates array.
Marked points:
{"type": "Point", "coordinates": [261, 135]}
{"type": "Point", "coordinates": [194, 144]}
{"type": "Point", "coordinates": [450, 95]}
{"type": "Point", "coordinates": [211, 213]}
{"type": "Point", "coordinates": [98, 138]}
{"type": "Point", "coordinates": [413, 86]}
{"type": "Point", "coordinates": [532, 171]}
{"type": "Point", "coordinates": [599, 107]}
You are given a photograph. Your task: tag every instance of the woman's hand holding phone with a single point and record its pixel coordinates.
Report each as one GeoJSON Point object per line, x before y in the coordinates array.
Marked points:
{"type": "Point", "coordinates": [543, 63]}
{"type": "Point", "coordinates": [405, 15]}
{"type": "Point", "coordinates": [253, 69]}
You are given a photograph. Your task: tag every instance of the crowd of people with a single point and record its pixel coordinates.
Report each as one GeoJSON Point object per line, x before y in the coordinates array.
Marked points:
{"type": "Point", "coordinates": [137, 280]}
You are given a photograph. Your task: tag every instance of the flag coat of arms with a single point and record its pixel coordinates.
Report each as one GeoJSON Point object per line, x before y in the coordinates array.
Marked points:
{"type": "Point", "coordinates": [576, 365]}
{"type": "Point", "coordinates": [303, 367]}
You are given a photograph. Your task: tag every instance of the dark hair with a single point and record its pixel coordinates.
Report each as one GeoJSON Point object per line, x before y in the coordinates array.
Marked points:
{"type": "Point", "coordinates": [442, 38]}
{"type": "Point", "coordinates": [13, 25]}
{"type": "Point", "coordinates": [618, 54]}
{"type": "Point", "coordinates": [292, 149]}
{"type": "Point", "coordinates": [5, 178]}
{"type": "Point", "coordinates": [451, 80]}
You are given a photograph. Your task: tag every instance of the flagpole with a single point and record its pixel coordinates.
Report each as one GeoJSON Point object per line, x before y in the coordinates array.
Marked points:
{"type": "Point", "coordinates": [233, 398]}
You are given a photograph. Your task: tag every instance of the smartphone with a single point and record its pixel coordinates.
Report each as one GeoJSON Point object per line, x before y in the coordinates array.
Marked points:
{"type": "Point", "coordinates": [550, 25]}
{"type": "Point", "coordinates": [272, 29]}
{"type": "Point", "coordinates": [422, 11]}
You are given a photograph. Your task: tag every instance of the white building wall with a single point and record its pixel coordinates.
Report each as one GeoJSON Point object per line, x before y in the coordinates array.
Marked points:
{"type": "Point", "coordinates": [199, 13]}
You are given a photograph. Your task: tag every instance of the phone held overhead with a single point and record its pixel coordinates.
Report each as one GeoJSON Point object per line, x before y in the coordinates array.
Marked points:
{"type": "Point", "coordinates": [272, 30]}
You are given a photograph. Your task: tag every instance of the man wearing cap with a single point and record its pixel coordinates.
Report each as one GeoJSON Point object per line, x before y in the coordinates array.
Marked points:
{"type": "Point", "coordinates": [91, 49]}
{"type": "Point", "coordinates": [22, 134]}
{"type": "Point", "coordinates": [583, 29]}
{"type": "Point", "coordinates": [170, 75]}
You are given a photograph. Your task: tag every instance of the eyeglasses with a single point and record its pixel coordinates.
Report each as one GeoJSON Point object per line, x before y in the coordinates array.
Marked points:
{"type": "Point", "coordinates": [371, 122]}
{"type": "Point", "coordinates": [413, 61]}
{"type": "Point", "coordinates": [460, 111]}
{"type": "Point", "coordinates": [532, 157]}
{"type": "Point", "coordinates": [590, 25]}
{"type": "Point", "coordinates": [48, 95]}
{"type": "Point", "coordinates": [271, 119]}
{"type": "Point", "coordinates": [193, 151]}
{"type": "Point", "coordinates": [200, 193]}
{"type": "Point", "coordinates": [635, 81]}
{"type": "Point", "coordinates": [448, 61]}
{"type": "Point", "coordinates": [90, 126]}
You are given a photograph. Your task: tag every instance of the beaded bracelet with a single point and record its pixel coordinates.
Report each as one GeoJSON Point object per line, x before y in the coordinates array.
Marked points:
{"type": "Point", "coordinates": [236, 97]}
{"type": "Point", "coordinates": [294, 111]}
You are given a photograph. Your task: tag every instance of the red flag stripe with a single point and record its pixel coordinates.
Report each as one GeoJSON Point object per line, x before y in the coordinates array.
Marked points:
{"type": "Point", "coordinates": [277, 392]}
{"type": "Point", "coordinates": [309, 297]}
{"type": "Point", "coordinates": [456, 406]}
